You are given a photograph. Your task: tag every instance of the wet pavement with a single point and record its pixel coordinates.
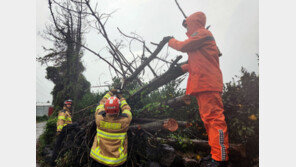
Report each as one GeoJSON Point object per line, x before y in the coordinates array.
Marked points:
{"type": "Point", "coordinates": [40, 129]}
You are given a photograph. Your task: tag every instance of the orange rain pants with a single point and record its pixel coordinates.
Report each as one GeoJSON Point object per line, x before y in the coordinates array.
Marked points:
{"type": "Point", "coordinates": [211, 112]}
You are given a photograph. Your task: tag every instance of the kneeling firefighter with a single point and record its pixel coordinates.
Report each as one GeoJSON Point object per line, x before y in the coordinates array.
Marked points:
{"type": "Point", "coordinates": [110, 144]}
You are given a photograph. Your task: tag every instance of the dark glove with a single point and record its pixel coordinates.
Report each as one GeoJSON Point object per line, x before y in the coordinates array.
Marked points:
{"type": "Point", "coordinates": [115, 91]}
{"type": "Point", "coordinates": [166, 39]}
{"type": "Point", "coordinates": [119, 95]}
{"type": "Point", "coordinates": [177, 69]}
{"type": "Point", "coordinates": [184, 24]}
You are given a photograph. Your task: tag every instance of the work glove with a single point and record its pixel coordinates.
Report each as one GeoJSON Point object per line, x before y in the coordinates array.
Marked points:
{"type": "Point", "coordinates": [115, 91]}
{"type": "Point", "coordinates": [166, 39]}
{"type": "Point", "coordinates": [177, 69]}
{"type": "Point", "coordinates": [184, 24]}
{"type": "Point", "coordinates": [119, 95]}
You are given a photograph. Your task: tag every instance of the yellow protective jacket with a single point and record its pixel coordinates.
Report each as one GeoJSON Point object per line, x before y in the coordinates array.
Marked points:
{"type": "Point", "coordinates": [110, 144]}
{"type": "Point", "coordinates": [64, 118]}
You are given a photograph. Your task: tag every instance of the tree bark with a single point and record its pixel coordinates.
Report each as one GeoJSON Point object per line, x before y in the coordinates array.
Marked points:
{"type": "Point", "coordinates": [153, 124]}
{"type": "Point", "coordinates": [147, 61]}
{"type": "Point", "coordinates": [240, 148]}
{"type": "Point", "coordinates": [173, 73]}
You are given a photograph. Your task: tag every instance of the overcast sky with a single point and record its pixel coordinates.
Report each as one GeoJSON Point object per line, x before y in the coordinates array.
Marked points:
{"type": "Point", "coordinates": [234, 24]}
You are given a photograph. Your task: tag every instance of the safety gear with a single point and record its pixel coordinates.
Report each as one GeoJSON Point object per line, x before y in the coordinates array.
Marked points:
{"type": "Point", "coordinates": [115, 91]}
{"type": "Point", "coordinates": [209, 162]}
{"type": "Point", "coordinates": [110, 144]}
{"type": "Point", "coordinates": [203, 59]}
{"type": "Point", "coordinates": [178, 69]}
{"type": "Point", "coordinates": [212, 163]}
{"type": "Point", "coordinates": [64, 118]}
{"type": "Point", "coordinates": [184, 24]}
{"type": "Point", "coordinates": [119, 95]}
{"type": "Point", "coordinates": [68, 102]}
{"type": "Point", "coordinates": [211, 112]}
{"type": "Point", "coordinates": [167, 38]}
{"type": "Point", "coordinates": [112, 105]}
{"type": "Point", "coordinates": [205, 81]}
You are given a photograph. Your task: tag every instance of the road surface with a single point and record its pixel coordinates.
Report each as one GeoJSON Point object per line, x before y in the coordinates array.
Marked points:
{"type": "Point", "coordinates": [40, 129]}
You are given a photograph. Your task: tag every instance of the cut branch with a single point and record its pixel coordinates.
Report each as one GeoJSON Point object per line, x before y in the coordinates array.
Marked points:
{"type": "Point", "coordinates": [240, 148]}
{"type": "Point", "coordinates": [155, 125]}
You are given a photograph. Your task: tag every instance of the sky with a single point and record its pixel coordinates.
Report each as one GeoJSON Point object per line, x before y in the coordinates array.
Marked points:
{"type": "Point", "coordinates": [234, 24]}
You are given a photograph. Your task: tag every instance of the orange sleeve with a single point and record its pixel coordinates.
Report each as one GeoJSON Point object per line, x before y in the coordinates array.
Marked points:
{"type": "Point", "coordinates": [195, 41]}
{"type": "Point", "coordinates": [185, 67]}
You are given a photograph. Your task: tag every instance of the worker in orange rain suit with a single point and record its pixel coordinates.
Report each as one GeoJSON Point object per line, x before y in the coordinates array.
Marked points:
{"type": "Point", "coordinates": [64, 116]}
{"type": "Point", "coordinates": [205, 83]}
{"type": "Point", "coordinates": [110, 144]}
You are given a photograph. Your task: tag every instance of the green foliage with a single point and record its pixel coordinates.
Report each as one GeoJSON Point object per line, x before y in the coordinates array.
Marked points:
{"type": "Point", "coordinates": [46, 139]}
{"type": "Point", "coordinates": [65, 57]}
{"type": "Point", "coordinates": [67, 86]}
{"type": "Point", "coordinates": [241, 101]}
{"type": "Point", "coordinates": [151, 104]}
{"type": "Point", "coordinates": [41, 118]}
{"type": "Point", "coordinates": [66, 160]}
{"type": "Point", "coordinates": [166, 92]}
{"type": "Point", "coordinates": [89, 99]}
{"type": "Point", "coordinates": [50, 131]}
{"type": "Point", "coordinates": [129, 88]}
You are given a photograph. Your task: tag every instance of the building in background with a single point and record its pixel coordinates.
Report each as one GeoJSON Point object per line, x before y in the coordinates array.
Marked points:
{"type": "Point", "coordinates": [44, 109]}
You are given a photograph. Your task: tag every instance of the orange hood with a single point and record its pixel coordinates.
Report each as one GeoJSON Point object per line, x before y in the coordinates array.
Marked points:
{"type": "Point", "coordinates": [194, 22]}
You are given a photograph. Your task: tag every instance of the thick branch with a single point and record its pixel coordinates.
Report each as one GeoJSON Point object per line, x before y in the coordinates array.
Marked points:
{"type": "Point", "coordinates": [173, 73]}
{"type": "Point", "coordinates": [240, 148]}
{"type": "Point", "coordinates": [147, 61]}
{"type": "Point", "coordinates": [155, 125]}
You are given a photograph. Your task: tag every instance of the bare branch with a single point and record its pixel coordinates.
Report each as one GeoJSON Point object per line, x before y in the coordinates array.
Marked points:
{"type": "Point", "coordinates": [172, 73]}
{"type": "Point", "coordinates": [180, 9]}
{"type": "Point", "coordinates": [148, 60]}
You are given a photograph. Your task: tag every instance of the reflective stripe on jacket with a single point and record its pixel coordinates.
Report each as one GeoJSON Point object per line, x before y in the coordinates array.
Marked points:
{"type": "Point", "coordinates": [111, 143]}
{"type": "Point", "coordinates": [64, 118]}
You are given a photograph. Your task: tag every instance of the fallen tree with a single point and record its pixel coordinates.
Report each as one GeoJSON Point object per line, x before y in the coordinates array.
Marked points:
{"type": "Point", "coordinates": [150, 139]}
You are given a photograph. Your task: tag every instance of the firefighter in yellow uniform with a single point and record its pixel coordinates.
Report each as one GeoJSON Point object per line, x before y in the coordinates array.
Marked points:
{"type": "Point", "coordinates": [64, 117]}
{"type": "Point", "coordinates": [110, 143]}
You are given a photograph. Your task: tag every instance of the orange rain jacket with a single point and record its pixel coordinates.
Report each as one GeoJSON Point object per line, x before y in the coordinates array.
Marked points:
{"type": "Point", "coordinates": [64, 118]}
{"type": "Point", "coordinates": [111, 143]}
{"type": "Point", "coordinates": [203, 59]}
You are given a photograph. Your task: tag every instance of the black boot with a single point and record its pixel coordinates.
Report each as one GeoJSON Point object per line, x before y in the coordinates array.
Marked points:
{"type": "Point", "coordinates": [209, 162]}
